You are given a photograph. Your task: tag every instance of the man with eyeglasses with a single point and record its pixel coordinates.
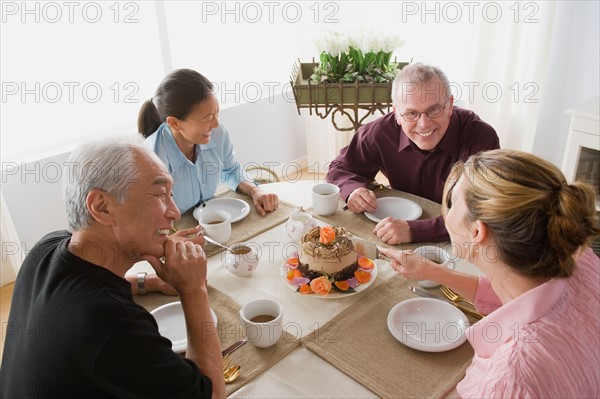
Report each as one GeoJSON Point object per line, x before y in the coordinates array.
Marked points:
{"type": "Point", "coordinates": [414, 147]}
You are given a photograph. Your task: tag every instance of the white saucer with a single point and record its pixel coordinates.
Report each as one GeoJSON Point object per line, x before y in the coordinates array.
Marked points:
{"type": "Point", "coordinates": [237, 208]}
{"type": "Point", "coordinates": [171, 324]}
{"type": "Point", "coordinates": [397, 208]}
{"type": "Point", "coordinates": [428, 324]}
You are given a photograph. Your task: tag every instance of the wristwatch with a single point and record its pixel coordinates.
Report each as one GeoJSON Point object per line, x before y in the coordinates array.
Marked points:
{"type": "Point", "coordinates": [141, 278]}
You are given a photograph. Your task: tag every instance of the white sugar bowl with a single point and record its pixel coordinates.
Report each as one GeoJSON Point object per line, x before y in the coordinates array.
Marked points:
{"type": "Point", "coordinates": [244, 259]}
{"type": "Point", "coordinates": [298, 224]}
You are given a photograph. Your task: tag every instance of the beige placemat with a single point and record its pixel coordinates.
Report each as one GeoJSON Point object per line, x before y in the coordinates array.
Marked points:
{"type": "Point", "coordinates": [358, 342]}
{"type": "Point", "coordinates": [248, 227]}
{"type": "Point", "coordinates": [362, 226]}
{"type": "Point", "coordinates": [253, 360]}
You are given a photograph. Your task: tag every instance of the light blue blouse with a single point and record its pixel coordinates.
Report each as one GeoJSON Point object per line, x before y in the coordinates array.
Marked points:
{"type": "Point", "coordinates": [195, 182]}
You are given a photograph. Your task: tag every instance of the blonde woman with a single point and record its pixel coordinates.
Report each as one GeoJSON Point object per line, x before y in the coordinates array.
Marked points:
{"type": "Point", "coordinates": [514, 216]}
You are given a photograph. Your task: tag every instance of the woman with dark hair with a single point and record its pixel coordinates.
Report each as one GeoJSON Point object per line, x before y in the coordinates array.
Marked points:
{"type": "Point", "coordinates": [515, 217]}
{"type": "Point", "coordinates": [181, 125]}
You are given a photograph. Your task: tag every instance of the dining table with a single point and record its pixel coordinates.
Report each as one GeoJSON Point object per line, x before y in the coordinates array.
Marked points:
{"type": "Point", "coordinates": [335, 346]}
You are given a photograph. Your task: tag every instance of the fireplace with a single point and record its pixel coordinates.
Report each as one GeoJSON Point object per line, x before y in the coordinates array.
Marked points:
{"type": "Point", "coordinates": [582, 154]}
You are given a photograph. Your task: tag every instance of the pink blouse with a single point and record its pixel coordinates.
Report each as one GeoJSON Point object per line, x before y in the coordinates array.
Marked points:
{"type": "Point", "coordinates": [545, 343]}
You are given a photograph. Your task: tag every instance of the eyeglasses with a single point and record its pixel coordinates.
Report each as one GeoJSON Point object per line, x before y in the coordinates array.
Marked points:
{"type": "Point", "coordinates": [434, 112]}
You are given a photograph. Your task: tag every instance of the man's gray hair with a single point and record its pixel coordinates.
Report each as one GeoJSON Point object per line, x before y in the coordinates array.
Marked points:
{"type": "Point", "coordinates": [107, 164]}
{"type": "Point", "coordinates": [414, 75]}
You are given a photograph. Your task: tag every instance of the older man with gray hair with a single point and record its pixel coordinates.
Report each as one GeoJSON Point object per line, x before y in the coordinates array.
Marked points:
{"type": "Point", "coordinates": [74, 330]}
{"type": "Point", "coordinates": [414, 147]}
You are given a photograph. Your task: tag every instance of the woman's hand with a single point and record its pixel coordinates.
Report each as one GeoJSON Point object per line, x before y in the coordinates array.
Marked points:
{"type": "Point", "coordinates": [264, 202]}
{"type": "Point", "coordinates": [413, 266]}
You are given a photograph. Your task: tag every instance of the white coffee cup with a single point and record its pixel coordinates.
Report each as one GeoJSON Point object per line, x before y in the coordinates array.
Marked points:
{"type": "Point", "coordinates": [325, 198]}
{"type": "Point", "coordinates": [263, 322]}
{"type": "Point", "coordinates": [244, 261]}
{"type": "Point", "coordinates": [216, 224]}
{"type": "Point", "coordinates": [438, 255]}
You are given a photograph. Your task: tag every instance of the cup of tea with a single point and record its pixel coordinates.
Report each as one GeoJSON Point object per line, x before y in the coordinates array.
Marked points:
{"type": "Point", "coordinates": [263, 322]}
{"type": "Point", "coordinates": [216, 224]}
{"type": "Point", "coordinates": [243, 260]}
{"type": "Point", "coordinates": [325, 198]}
{"type": "Point", "coordinates": [437, 255]}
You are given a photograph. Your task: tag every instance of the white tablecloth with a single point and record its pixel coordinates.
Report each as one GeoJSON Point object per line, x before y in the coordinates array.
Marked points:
{"type": "Point", "coordinates": [302, 373]}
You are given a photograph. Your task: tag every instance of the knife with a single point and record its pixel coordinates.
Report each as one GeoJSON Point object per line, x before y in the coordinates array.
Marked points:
{"type": "Point", "coordinates": [426, 294]}
{"type": "Point", "coordinates": [463, 308]}
{"type": "Point", "coordinates": [234, 347]}
{"type": "Point", "coordinates": [366, 248]}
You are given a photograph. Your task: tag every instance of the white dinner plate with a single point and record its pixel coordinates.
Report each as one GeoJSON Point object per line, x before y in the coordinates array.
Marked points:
{"type": "Point", "coordinates": [237, 208]}
{"type": "Point", "coordinates": [332, 294]}
{"type": "Point", "coordinates": [428, 324]}
{"type": "Point", "coordinates": [171, 324]}
{"type": "Point", "coordinates": [397, 208]}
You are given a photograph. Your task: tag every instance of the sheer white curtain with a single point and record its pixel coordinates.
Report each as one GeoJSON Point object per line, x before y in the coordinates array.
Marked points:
{"type": "Point", "coordinates": [11, 246]}
{"type": "Point", "coordinates": [497, 63]}
{"type": "Point", "coordinates": [509, 70]}
{"type": "Point", "coordinates": [324, 141]}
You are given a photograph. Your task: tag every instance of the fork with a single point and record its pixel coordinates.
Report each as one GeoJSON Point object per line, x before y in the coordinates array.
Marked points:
{"type": "Point", "coordinates": [232, 373]}
{"type": "Point", "coordinates": [453, 296]}
{"type": "Point", "coordinates": [226, 361]}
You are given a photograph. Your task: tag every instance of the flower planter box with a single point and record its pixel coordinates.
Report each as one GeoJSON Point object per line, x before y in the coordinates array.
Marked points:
{"type": "Point", "coordinates": [356, 101]}
{"type": "Point", "coordinates": [308, 94]}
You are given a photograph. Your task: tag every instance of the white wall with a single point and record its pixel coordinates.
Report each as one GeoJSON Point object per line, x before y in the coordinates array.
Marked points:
{"type": "Point", "coordinates": [268, 132]}
{"type": "Point", "coordinates": [242, 56]}
{"type": "Point", "coordinates": [573, 77]}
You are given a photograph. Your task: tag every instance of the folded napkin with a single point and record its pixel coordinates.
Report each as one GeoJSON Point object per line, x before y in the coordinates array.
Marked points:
{"type": "Point", "coordinates": [358, 342]}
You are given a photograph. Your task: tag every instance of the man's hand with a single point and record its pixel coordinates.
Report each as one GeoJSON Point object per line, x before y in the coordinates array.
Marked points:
{"type": "Point", "coordinates": [152, 283]}
{"type": "Point", "coordinates": [362, 200]}
{"type": "Point", "coordinates": [156, 284]}
{"type": "Point", "coordinates": [393, 231]}
{"type": "Point", "coordinates": [184, 265]}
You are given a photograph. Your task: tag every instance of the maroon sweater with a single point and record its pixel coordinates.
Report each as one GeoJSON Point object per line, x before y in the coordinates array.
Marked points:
{"type": "Point", "coordinates": [383, 146]}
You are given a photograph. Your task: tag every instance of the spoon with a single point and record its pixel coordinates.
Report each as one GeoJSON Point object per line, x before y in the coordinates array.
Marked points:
{"type": "Point", "coordinates": [232, 373]}
{"type": "Point", "coordinates": [207, 238]}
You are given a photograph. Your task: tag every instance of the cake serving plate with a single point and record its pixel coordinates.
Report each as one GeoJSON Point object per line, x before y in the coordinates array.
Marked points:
{"type": "Point", "coordinates": [332, 294]}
